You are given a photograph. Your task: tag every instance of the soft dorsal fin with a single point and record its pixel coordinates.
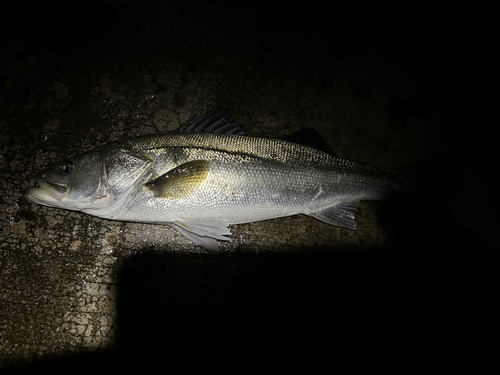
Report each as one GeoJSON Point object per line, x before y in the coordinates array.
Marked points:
{"type": "Point", "coordinates": [216, 121]}
{"type": "Point", "coordinates": [309, 137]}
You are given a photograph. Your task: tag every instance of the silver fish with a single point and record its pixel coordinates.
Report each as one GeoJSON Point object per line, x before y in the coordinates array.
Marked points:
{"type": "Point", "coordinates": [206, 176]}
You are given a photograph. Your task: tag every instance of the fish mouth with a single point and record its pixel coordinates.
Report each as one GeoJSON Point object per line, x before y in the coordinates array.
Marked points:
{"type": "Point", "coordinates": [56, 186]}
{"type": "Point", "coordinates": [48, 193]}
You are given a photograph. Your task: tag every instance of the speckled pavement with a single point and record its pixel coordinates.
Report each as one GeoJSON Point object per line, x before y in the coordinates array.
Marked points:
{"type": "Point", "coordinates": [71, 283]}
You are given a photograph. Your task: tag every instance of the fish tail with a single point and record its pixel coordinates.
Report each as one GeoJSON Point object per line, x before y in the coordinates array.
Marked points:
{"type": "Point", "coordinates": [419, 219]}
{"type": "Point", "coordinates": [434, 181]}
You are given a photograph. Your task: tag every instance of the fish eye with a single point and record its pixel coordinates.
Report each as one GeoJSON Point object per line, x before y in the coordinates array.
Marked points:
{"type": "Point", "coordinates": [66, 167]}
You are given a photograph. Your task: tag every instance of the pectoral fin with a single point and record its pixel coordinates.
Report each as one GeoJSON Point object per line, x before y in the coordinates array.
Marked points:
{"type": "Point", "coordinates": [180, 182]}
{"type": "Point", "coordinates": [338, 215]}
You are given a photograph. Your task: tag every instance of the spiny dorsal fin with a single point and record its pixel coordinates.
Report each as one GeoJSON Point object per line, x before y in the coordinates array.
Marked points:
{"type": "Point", "coordinates": [216, 121]}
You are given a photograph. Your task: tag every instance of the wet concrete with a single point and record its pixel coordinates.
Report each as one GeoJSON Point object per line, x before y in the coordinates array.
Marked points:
{"type": "Point", "coordinates": [134, 295]}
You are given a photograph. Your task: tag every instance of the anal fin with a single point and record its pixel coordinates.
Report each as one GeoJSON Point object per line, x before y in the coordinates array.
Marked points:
{"type": "Point", "coordinates": [340, 215]}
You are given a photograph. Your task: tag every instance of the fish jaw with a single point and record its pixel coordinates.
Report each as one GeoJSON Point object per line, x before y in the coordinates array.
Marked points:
{"type": "Point", "coordinates": [53, 194]}
{"type": "Point", "coordinates": [41, 196]}
{"type": "Point", "coordinates": [44, 197]}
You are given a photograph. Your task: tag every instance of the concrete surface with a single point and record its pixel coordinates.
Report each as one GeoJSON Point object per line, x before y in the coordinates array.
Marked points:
{"type": "Point", "coordinates": [77, 290]}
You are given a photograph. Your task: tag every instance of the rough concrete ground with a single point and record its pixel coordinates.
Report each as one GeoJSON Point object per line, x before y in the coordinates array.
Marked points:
{"type": "Point", "coordinates": [71, 283]}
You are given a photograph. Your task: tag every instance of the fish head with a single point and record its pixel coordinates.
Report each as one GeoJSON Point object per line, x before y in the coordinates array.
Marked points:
{"type": "Point", "coordinates": [73, 184]}
{"type": "Point", "coordinates": [98, 182]}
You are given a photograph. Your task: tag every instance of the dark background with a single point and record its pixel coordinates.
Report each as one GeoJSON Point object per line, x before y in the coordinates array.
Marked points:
{"type": "Point", "coordinates": [428, 295]}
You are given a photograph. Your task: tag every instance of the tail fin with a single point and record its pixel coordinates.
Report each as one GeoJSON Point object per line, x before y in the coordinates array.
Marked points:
{"type": "Point", "coordinates": [433, 181]}
{"type": "Point", "coordinates": [420, 219]}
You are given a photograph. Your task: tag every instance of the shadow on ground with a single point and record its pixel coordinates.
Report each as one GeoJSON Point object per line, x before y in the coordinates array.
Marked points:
{"type": "Point", "coordinates": [308, 310]}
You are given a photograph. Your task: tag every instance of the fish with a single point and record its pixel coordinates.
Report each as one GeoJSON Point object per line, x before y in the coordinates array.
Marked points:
{"type": "Point", "coordinates": [207, 175]}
